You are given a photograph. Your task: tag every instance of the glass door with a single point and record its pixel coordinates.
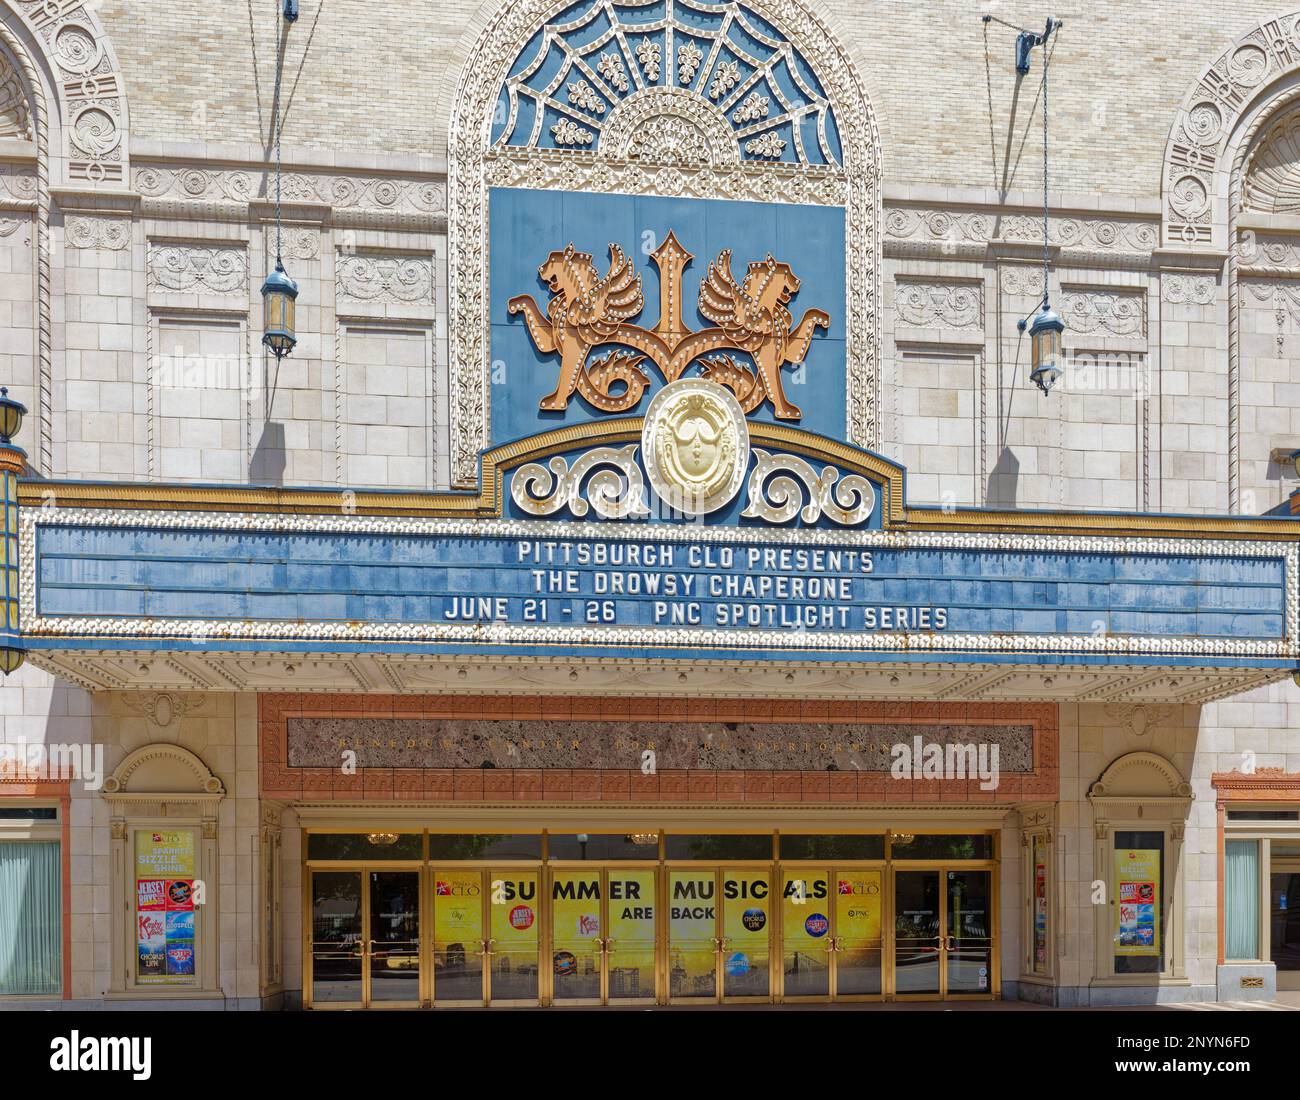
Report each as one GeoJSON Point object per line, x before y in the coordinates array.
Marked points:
{"type": "Point", "coordinates": [943, 933]}
{"type": "Point", "coordinates": [1284, 916]}
{"type": "Point", "coordinates": [577, 936]}
{"type": "Point", "coordinates": [631, 937]}
{"type": "Point", "coordinates": [857, 950]}
{"type": "Point", "coordinates": [918, 939]}
{"type": "Point", "coordinates": [393, 939]}
{"type": "Point", "coordinates": [693, 939]}
{"type": "Point", "coordinates": [459, 938]}
{"type": "Point", "coordinates": [968, 936]}
{"type": "Point", "coordinates": [806, 940]}
{"type": "Point", "coordinates": [746, 944]}
{"type": "Point", "coordinates": [603, 935]}
{"type": "Point", "coordinates": [514, 931]}
{"type": "Point", "coordinates": [337, 939]}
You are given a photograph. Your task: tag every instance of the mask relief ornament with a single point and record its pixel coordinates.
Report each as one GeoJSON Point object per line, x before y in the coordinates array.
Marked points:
{"type": "Point", "coordinates": [696, 446]}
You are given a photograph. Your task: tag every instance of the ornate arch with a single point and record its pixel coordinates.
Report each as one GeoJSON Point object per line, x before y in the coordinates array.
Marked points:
{"type": "Point", "coordinates": [1197, 166]}
{"type": "Point", "coordinates": [83, 79]}
{"type": "Point", "coordinates": [74, 99]}
{"type": "Point", "coordinates": [742, 99]}
{"type": "Point", "coordinates": [1138, 776]}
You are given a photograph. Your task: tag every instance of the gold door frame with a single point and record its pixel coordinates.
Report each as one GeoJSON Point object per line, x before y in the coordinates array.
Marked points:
{"type": "Point", "coordinates": [603, 869]}
{"type": "Point", "coordinates": [543, 930]}
{"type": "Point", "coordinates": [363, 870]}
{"type": "Point", "coordinates": [718, 868]}
{"type": "Point", "coordinates": [940, 866]}
{"type": "Point", "coordinates": [662, 868]}
{"type": "Point", "coordinates": [485, 915]}
{"type": "Point", "coordinates": [831, 867]}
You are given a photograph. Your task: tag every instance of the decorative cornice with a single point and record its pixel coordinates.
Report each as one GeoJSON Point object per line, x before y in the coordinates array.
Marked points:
{"type": "Point", "coordinates": [1262, 785]}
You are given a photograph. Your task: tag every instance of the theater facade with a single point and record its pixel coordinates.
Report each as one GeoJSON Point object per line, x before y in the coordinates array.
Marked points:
{"type": "Point", "coordinates": [654, 578]}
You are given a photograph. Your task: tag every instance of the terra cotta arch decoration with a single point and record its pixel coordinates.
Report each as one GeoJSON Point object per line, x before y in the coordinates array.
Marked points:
{"type": "Point", "coordinates": [684, 154]}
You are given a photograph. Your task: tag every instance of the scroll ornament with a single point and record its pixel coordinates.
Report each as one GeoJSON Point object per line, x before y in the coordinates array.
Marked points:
{"type": "Point", "coordinates": [779, 484]}
{"type": "Point", "coordinates": [614, 486]}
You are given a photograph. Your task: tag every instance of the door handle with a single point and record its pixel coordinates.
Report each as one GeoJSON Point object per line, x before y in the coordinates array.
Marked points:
{"type": "Point", "coordinates": [607, 945]}
{"type": "Point", "coordinates": [950, 945]}
{"type": "Point", "coordinates": [719, 945]}
{"type": "Point", "coordinates": [486, 947]}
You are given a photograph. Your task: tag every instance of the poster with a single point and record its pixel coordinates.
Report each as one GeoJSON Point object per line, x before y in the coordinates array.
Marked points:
{"type": "Point", "coordinates": [1040, 905]}
{"type": "Point", "coordinates": [576, 932]}
{"type": "Point", "coordinates": [692, 926]}
{"type": "Point", "coordinates": [1137, 902]}
{"type": "Point", "coordinates": [857, 908]}
{"type": "Point", "coordinates": [746, 931]}
{"type": "Point", "coordinates": [164, 907]}
{"type": "Point", "coordinates": [515, 913]}
{"type": "Point", "coordinates": [631, 934]}
{"type": "Point", "coordinates": [805, 906]}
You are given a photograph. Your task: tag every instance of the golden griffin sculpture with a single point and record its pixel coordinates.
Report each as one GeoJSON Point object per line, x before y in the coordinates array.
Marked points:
{"type": "Point", "coordinates": [587, 311]}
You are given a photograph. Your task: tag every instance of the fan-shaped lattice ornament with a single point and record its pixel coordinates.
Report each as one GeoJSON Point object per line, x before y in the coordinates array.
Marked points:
{"type": "Point", "coordinates": [730, 86]}
{"type": "Point", "coordinates": [1272, 183]}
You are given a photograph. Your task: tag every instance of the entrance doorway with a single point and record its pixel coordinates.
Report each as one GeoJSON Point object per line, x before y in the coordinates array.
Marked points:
{"type": "Point", "coordinates": [604, 941]}
{"type": "Point", "coordinates": [365, 938]}
{"type": "Point", "coordinates": [487, 929]}
{"type": "Point", "coordinates": [536, 919]}
{"type": "Point", "coordinates": [1284, 913]}
{"type": "Point", "coordinates": [943, 941]}
{"type": "Point", "coordinates": [831, 944]}
{"type": "Point", "coordinates": [719, 934]}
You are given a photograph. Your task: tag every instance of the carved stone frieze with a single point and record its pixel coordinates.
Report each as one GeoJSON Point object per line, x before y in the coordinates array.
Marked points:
{"type": "Point", "coordinates": [15, 114]}
{"type": "Point", "coordinates": [1206, 121]}
{"type": "Point", "coordinates": [939, 305]}
{"type": "Point", "coordinates": [1282, 296]}
{"type": "Point", "coordinates": [214, 269]}
{"type": "Point", "coordinates": [1022, 279]}
{"type": "Point", "coordinates": [97, 231]}
{"type": "Point", "coordinates": [88, 84]}
{"type": "Point", "coordinates": [1104, 312]}
{"type": "Point", "coordinates": [1188, 287]}
{"type": "Point", "coordinates": [378, 279]}
{"type": "Point", "coordinates": [191, 183]}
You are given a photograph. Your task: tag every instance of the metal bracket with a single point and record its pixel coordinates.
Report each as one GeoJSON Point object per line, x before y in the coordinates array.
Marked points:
{"type": "Point", "coordinates": [1026, 41]}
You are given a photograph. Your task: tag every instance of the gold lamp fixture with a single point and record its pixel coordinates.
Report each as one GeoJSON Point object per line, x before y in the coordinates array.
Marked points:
{"type": "Point", "coordinates": [382, 840]}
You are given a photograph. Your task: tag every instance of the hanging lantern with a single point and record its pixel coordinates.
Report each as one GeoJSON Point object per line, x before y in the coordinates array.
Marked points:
{"type": "Point", "coordinates": [1045, 347]}
{"type": "Point", "coordinates": [279, 293]}
{"type": "Point", "coordinates": [11, 415]}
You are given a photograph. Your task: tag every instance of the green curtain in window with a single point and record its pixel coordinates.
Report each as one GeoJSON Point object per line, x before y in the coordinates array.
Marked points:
{"type": "Point", "coordinates": [1241, 898]}
{"type": "Point", "coordinates": [31, 916]}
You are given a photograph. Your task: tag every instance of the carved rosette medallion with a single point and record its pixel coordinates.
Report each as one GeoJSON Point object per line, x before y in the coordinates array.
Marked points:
{"type": "Point", "coordinates": [696, 446]}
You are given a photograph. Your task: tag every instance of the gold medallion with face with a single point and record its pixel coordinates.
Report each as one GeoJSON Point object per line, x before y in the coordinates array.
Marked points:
{"type": "Point", "coordinates": [696, 445]}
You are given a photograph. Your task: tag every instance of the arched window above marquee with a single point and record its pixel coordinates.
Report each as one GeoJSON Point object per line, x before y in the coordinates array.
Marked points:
{"type": "Point", "coordinates": [751, 100]}
{"type": "Point", "coordinates": [669, 81]}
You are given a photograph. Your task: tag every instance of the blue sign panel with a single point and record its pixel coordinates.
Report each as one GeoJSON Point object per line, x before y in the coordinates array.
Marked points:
{"type": "Point", "coordinates": [618, 295]}
{"type": "Point", "coordinates": [541, 586]}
